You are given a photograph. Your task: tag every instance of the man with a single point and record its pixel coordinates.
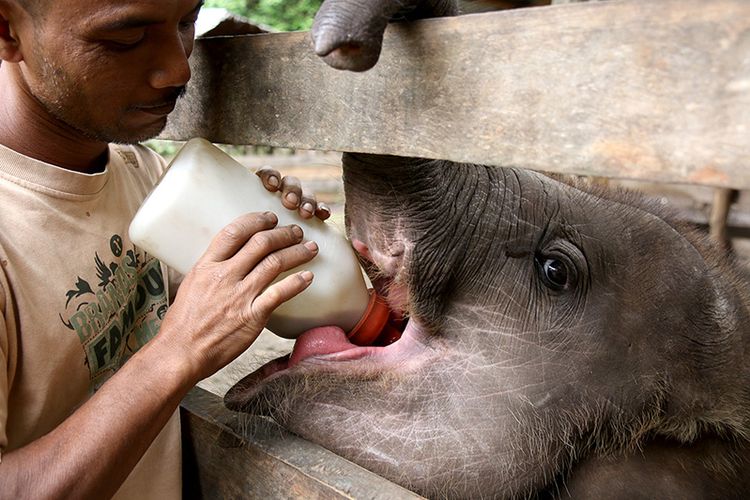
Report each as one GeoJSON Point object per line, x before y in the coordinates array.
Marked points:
{"type": "Point", "coordinates": [87, 407]}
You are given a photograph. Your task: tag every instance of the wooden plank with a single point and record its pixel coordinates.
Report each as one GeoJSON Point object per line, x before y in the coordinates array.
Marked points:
{"type": "Point", "coordinates": [630, 89]}
{"type": "Point", "coordinates": [224, 460]}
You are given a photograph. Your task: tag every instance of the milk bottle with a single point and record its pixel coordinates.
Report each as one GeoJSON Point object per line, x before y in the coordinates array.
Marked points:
{"type": "Point", "coordinates": [204, 189]}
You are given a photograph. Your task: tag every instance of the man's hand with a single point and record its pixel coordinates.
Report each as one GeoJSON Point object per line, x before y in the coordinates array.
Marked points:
{"type": "Point", "coordinates": [292, 196]}
{"type": "Point", "coordinates": [225, 301]}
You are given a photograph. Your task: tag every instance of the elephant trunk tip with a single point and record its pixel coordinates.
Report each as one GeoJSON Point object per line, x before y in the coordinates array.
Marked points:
{"type": "Point", "coordinates": [346, 54]}
{"type": "Point", "coordinates": [323, 43]}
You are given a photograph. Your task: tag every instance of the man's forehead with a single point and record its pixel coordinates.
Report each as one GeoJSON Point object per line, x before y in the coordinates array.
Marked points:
{"type": "Point", "coordinates": [109, 11]}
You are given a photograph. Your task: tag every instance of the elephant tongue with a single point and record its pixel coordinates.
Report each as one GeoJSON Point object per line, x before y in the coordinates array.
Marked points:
{"type": "Point", "coordinates": [322, 340]}
{"type": "Point", "coordinates": [377, 326]}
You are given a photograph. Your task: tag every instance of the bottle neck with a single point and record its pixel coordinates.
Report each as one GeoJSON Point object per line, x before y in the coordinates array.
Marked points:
{"type": "Point", "coordinates": [379, 326]}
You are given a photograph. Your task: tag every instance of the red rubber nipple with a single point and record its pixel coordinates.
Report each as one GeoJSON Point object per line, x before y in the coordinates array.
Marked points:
{"type": "Point", "coordinates": [378, 326]}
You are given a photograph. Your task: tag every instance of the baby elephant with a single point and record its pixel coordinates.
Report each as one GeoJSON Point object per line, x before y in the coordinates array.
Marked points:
{"type": "Point", "coordinates": [563, 341]}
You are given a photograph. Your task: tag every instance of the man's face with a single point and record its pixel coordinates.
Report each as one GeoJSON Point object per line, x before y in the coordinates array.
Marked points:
{"type": "Point", "coordinates": [109, 69]}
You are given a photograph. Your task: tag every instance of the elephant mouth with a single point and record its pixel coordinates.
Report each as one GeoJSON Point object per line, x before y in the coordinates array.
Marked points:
{"type": "Point", "coordinates": [327, 348]}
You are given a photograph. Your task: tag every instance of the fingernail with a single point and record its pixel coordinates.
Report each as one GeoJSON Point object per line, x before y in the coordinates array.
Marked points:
{"type": "Point", "coordinates": [308, 207]}
{"type": "Point", "coordinates": [297, 230]}
{"type": "Point", "coordinates": [273, 181]}
{"type": "Point", "coordinates": [292, 198]}
{"type": "Point", "coordinates": [312, 246]}
{"type": "Point", "coordinates": [271, 216]}
{"type": "Point", "coordinates": [306, 275]}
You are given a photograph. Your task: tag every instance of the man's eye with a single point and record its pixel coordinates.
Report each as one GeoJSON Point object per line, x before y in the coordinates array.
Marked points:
{"type": "Point", "coordinates": [124, 42]}
{"type": "Point", "coordinates": [189, 22]}
{"type": "Point", "coordinates": [187, 25]}
{"type": "Point", "coordinates": [120, 46]}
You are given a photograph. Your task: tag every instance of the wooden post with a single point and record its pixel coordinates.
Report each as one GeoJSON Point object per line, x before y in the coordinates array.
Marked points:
{"type": "Point", "coordinates": [722, 203]}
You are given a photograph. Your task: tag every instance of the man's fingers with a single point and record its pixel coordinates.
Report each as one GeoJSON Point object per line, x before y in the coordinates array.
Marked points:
{"type": "Point", "coordinates": [290, 187]}
{"type": "Point", "coordinates": [308, 206]}
{"type": "Point", "coordinates": [234, 236]}
{"type": "Point", "coordinates": [322, 212]}
{"type": "Point", "coordinates": [278, 293]}
{"type": "Point", "coordinates": [292, 196]}
{"type": "Point", "coordinates": [270, 177]}
{"type": "Point", "coordinates": [262, 246]}
{"type": "Point", "coordinates": [291, 192]}
{"type": "Point", "coordinates": [276, 263]}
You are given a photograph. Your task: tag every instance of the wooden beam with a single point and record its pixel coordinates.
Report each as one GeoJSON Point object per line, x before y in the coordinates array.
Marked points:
{"type": "Point", "coordinates": [626, 89]}
{"type": "Point", "coordinates": [229, 455]}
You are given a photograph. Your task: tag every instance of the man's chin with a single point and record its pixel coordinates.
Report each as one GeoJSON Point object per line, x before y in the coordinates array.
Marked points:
{"type": "Point", "coordinates": [135, 135]}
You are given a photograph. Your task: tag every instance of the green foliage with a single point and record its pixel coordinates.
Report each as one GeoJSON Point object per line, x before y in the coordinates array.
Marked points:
{"type": "Point", "coordinates": [165, 148]}
{"type": "Point", "coordinates": [237, 6]}
{"type": "Point", "coordinates": [283, 15]}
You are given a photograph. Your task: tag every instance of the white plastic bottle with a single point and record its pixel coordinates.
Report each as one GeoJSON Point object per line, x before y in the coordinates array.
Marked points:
{"type": "Point", "coordinates": [203, 190]}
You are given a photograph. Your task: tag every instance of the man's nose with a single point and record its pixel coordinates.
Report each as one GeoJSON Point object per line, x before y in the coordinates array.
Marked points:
{"type": "Point", "coordinates": [171, 68]}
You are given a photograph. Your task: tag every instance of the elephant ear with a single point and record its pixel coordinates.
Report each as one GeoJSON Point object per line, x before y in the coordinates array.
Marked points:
{"type": "Point", "coordinates": [349, 35]}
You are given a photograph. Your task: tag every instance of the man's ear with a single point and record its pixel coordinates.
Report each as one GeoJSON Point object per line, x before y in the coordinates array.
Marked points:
{"type": "Point", "coordinates": [10, 49]}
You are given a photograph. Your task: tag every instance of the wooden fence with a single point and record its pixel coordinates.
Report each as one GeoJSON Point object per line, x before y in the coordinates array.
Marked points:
{"type": "Point", "coordinates": [636, 89]}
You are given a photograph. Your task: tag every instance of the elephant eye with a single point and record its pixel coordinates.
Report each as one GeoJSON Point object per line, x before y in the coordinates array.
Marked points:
{"type": "Point", "coordinates": [555, 273]}
{"type": "Point", "coordinates": [561, 265]}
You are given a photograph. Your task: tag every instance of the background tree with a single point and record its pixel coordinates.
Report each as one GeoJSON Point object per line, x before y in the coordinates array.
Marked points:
{"type": "Point", "coordinates": [283, 15]}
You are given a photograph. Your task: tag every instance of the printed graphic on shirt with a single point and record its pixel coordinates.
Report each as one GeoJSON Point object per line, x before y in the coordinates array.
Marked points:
{"type": "Point", "coordinates": [116, 309]}
{"type": "Point", "coordinates": [128, 157]}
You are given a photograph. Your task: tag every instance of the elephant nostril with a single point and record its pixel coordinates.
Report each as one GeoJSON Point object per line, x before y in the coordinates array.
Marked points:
{"type": "Point", "coordinates": [326, 42]}
{"type": "Point", "coordinates": [352, 57]}
{"type": "Point", "coordinates": [348, 50]}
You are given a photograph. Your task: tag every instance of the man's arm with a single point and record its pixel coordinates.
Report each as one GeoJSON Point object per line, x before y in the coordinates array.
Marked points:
{"type": "Point", "coordinates": [92, 452]}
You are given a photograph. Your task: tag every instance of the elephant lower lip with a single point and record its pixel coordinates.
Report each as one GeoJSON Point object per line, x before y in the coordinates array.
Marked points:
{"type": "Point", "coordinates": [319, 342]}
{"type": "Point", "coordinates": [320, 354]}
{"type": "Point", "coordinates": [327, 348]}
{"type": "Point", "coordinates": [325, 345]}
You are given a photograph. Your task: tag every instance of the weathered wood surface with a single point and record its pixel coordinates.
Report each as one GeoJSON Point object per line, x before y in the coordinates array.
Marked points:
{"type": "Point", "coordinates": [224, 460]}
{"type": "Point", "coordinates": [629, 89]}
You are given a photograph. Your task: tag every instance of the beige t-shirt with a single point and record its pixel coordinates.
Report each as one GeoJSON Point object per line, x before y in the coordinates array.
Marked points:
{"type": "Point", "coordinates": [77, 299]}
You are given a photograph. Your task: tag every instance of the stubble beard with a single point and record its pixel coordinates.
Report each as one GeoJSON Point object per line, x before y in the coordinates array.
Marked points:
{"type": "Point", "coordinates": [57, 96]}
